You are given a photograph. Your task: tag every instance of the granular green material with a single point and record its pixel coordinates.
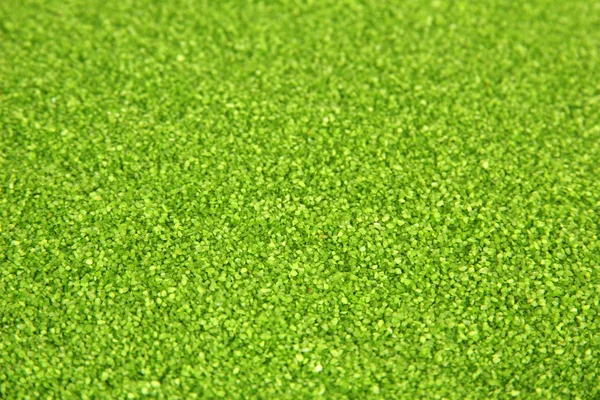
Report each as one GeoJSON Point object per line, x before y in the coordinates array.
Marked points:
{"type": "Point", "coordinates": [294, 199]}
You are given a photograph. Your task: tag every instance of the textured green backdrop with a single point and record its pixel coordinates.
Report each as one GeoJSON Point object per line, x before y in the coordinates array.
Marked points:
{"type": "Point", "coordinates": [293, 199]}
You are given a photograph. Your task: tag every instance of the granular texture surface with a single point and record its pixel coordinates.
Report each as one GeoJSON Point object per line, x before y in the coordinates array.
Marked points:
{"type": "Point", "coordinates": [299, 199]}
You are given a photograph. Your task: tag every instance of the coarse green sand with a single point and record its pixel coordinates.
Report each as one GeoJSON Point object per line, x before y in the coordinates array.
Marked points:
{"type": "Point", "coordinates": [295, 199]}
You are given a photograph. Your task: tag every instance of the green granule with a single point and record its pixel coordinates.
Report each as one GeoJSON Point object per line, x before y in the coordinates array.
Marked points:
{"type": "Point", "coordinates": [340, 199]}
